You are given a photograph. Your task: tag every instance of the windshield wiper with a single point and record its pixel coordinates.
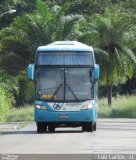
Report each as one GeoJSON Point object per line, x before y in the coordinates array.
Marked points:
{"type": "Point", "coordinates": [72, 92]}
{"type": "Point", "coordinates": [57, 90]}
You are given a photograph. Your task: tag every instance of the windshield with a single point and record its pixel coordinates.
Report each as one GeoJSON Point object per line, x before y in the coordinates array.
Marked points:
{"type": "Point", "coordinates": [78, 85]}
{"type": "Point", "coordinates": [50, 83]}
{"type": "Point", "coordinates": [63, 84]}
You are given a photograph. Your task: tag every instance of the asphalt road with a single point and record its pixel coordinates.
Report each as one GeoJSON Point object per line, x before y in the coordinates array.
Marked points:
{"type": "Point", "coordinates": [112, 136]}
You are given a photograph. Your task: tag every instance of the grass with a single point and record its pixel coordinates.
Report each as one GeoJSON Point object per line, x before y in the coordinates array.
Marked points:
{"type": "Point", "coordinates": [25, 113]}
{"type": "Point", "coordinates": [123, 107]}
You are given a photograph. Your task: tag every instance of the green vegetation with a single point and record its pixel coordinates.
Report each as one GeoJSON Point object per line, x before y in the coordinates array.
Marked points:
{"type": "Point", "coordinates": [5, 102]}
{"type": "Point", "coordinates": [26, 113]}
{"type": "Point", "coordinates": [8, 89]}
{"type": "Point", "coordinates": [108, 26]}
{"type": "Point", "coordinates": [117, 60]}
{"type": "Point", "coordinates": [123, 107]}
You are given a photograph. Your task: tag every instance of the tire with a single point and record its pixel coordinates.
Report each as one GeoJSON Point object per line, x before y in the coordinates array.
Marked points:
{"type": "Point", "coordinates": [51, 128]}
{"type": "Point", "coordinates": [95, 126]}
{"type": "Point", "coordinates": [89, 127]}
{"type": "Point", "coordinates": [84, 128]}
{"type": "Point", "coordinates": [41, 127]}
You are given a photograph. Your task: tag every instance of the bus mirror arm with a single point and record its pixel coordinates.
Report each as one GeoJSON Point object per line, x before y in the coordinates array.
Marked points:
{"type": "Point", "coordinates": [91, 73]}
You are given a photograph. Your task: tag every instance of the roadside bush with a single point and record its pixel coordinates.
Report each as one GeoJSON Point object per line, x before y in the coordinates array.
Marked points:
{"type": "Point", "coordinates": [123, 107]}
{"type": "Point", "coordinates": [8, 90]}
{"type": "Point", "coordinates": [9, 83]}
{"type": "Point", "coordinates": [24, 113]}
{"type": "Point", "coordinates": [6, 102]}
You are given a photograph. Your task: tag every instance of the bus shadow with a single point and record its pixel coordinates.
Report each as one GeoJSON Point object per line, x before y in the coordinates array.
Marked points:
{"type": "Point", "coordinates": [35, 132]}
{"type": "Point", "coordinates": [17, 132]}
{"type": "Point", "coordinates": [70, 131]}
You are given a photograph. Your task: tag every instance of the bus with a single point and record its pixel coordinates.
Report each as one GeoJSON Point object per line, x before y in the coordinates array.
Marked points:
{"type": "Point", "coordinates": [65, 78]}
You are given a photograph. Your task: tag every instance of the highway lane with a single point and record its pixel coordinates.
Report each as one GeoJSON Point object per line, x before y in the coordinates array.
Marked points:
{"type": "Point", "coordinates": [110, 137]}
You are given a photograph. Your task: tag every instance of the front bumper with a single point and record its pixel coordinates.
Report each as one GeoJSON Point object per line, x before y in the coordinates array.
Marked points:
{"type": "Point", "coordinates": [55, 116]}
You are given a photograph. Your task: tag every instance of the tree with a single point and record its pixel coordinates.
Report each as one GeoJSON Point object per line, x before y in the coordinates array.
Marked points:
{"type": "Point", "coordinates": [109, 33]}
{"type": "Point", "coordinates": [9, 60]}
{"type": "Point", "coordinates": [21, 6]}
{"type": "Point", "coordinates": [26, 33]}
{"type": "Point", "coordinates": [84, 7]}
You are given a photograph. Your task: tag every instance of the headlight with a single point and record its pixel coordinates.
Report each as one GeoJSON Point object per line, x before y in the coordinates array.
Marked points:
{"type": "Point", "coordinates": [89, 106]}
{"type": "Point", "coordinates": [41, 107]}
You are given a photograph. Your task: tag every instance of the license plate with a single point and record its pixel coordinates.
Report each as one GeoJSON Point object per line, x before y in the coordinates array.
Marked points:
{"type": "Point", "coordinates": [64, 116]}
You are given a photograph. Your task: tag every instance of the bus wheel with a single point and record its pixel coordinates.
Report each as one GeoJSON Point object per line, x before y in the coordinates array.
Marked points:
{"type": "Point", "coordinates": [90, 127]}
{"type": "Point", "coordinates": [84, 128]}
{"type": "Point", "coordinates": [51, 128]}
{"type": "Point", "coordinates": [94, 126]}
{"type": "Point", "coordinates": [41, 127]}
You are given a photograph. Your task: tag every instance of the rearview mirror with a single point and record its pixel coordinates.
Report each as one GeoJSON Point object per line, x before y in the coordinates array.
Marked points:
{"type": "Point", "coordinates": [96, 71]}
{"type": "Point", "coordinates": [31, 72]}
